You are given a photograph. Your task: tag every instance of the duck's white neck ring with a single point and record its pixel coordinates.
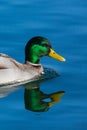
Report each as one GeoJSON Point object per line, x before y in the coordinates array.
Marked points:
{"type": "Point", "coordinates": [27, 62]}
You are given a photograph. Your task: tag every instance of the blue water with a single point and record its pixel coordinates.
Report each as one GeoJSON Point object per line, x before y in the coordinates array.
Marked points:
{"type": "Point", "coordinates": [64, 23]}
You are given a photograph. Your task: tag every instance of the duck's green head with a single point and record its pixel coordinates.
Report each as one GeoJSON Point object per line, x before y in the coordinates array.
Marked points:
{"type": "Point", "coordinates": [38, 47]}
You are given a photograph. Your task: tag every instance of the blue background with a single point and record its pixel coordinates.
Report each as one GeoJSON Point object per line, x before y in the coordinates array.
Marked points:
{"type": "Point", "coordinates": [64, 23]}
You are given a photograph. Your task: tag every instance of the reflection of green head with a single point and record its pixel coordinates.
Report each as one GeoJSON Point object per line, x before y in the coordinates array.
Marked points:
{"type": "Point", "coordinates": [34, 99]}
{"type": "Point", "coordinates": [38, 47]}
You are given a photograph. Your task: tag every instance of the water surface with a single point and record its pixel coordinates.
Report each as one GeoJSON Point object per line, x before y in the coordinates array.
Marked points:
{"type": "Point", "coordinates": [64, 23]}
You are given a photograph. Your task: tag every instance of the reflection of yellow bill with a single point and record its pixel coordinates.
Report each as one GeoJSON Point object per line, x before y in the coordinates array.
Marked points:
{"type": "Point", "coordinates": [56, 97]}
{"type": "Point", "coordinates": [56, 56]}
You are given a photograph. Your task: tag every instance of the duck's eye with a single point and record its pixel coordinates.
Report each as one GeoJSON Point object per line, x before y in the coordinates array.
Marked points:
{"type": "Point", "coordinates": [45, 45]}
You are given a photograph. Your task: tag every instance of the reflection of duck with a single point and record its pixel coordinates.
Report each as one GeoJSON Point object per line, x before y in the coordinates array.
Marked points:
{"type": "Point", "coordinates": [6, 90]}
{"type": "Point", "coordinates": [12, 71]}
{"type": "Point", "coordinates": [34, 98]}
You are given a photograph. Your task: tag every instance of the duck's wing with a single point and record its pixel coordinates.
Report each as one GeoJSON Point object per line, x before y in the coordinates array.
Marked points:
{"type": "Point", "coordinates": [7, 62]}
{"type": "Point", "coordinates": [12, 71]}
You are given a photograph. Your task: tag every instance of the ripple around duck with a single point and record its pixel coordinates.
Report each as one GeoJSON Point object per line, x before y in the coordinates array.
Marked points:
{"type": "Point", "coordinates": [49, 74]}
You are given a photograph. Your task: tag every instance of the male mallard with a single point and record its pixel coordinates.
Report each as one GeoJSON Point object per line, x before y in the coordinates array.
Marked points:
{"type": "Point", "coordinates": [13, 71]}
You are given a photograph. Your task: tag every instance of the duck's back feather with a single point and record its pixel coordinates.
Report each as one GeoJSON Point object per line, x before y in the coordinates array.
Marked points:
{"type": "Point", "coordinates": [7, 62]}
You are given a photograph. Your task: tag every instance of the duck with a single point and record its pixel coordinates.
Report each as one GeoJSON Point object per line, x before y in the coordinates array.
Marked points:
{"type": "Point", "coordinates": [11, 71]}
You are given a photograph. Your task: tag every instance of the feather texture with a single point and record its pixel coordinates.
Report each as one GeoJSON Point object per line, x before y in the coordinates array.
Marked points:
{"type": "Point", "coordinates": [13, 71]}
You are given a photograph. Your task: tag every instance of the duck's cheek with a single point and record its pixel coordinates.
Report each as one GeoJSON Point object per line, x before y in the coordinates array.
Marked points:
{"type": "Point", "coordinates": [43, 52]}
{"type": "Point", "coordinates": [47, 50]}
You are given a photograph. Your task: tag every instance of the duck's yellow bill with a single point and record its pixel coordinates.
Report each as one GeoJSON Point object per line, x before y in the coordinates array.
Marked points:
{"type": "Point", "coordinates": [56, 56]}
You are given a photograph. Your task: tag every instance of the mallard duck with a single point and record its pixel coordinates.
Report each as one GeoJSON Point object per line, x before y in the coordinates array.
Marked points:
{"type": "Point", "coordinates": [13, 71]}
